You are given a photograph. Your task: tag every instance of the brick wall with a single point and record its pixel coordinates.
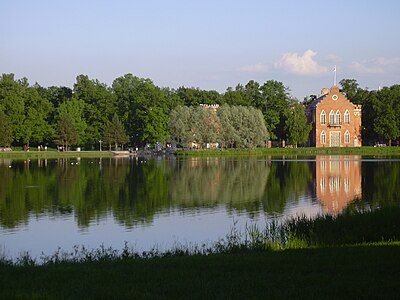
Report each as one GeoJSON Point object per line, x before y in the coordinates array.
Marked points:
{"type": "Point", "coordinates": [337, 130]}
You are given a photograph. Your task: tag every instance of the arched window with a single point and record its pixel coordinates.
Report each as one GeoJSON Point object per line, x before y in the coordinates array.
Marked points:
{"type": "Point", "coordinates": [331, 118]}
{"type": "Point", "coordinates": [323, 137]}
{"type": "Point", "coordinates": [338, 118]}
{"type": "Point", "coordinates": [346, 117]}
{"type": "Point", "coordinates": [322, 117]}
{"type": "Point", "coordinates": [347, 137]}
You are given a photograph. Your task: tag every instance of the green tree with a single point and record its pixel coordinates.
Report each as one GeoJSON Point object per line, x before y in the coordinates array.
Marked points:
{"type": "Point", "coordinates": [195, 96]}
{"type": "Point", "coordinates": [238, 96]}
{"type": "Point", "coordinates": [250, 126]}
{"type": "Point", "coordinates": [143, 108]}
{"type": "Point", "coordinates": [36, 124]}
{"type": "Point", "coordinates": [296, 125]}
{"type": "Point", "coordinates": [274, 103]}
{"type": "Point", "coordinates": [180, 125]}
{"type": "Point", "coordinates": [98, 109]}
{"type": "Point", "coordinates": [67, 133]}
{"type": "Point", "coordinates": [114, 133]}
{"type": "Point", "coordinates": [228, 135]}
{"type": "Point", "coordinates": [206, 125]}
{"type": "Point", "coordinates": [5, 131]}
{"type": "Point", "coordinates": [73, 110]}
{"type": "Point", "coordinates": [12, 101]}
{"type": "Point", "coordinates": [386, 104]}
{"type": "Point", "coordinates": [252, 90]}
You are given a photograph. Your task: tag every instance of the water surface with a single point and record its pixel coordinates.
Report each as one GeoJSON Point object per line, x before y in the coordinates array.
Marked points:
{"type": "Point", "coordinates": [45, 204]}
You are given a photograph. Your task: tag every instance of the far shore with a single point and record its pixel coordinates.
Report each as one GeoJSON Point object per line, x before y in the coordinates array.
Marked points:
{"type": "Point", "coordinates": [301, 151]}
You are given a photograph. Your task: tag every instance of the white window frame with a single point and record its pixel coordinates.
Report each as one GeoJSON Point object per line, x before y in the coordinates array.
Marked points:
{"type": "Point", "coordinates": [322, 117]}
{"type": "Point", "coordinates": [331, 118]}
{"type": "Point", "coordinates": [338, 117]}
{"type": "Point", "coordinates": [347, 137]}
{"type": "Point", "coordinates": [347, 117]}
{"type": "Point", "coordinates": [323, 137]}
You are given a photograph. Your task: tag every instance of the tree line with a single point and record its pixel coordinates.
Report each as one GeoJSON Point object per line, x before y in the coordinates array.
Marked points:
{"type": "Point", "coordinates": [134, 111]}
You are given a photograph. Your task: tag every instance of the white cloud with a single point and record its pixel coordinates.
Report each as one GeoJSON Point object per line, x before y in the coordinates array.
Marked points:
{"type": "Point", "coordinates": [380, 65]}
{"type": "Point", "coordinates": [256, 68]}
{"type": "Point", "coordinates": [332, 58]}
{"type": "Point", "coordinates": [301, 65]}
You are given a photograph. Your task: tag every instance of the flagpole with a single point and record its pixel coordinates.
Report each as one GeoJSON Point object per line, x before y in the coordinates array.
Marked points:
{"type": "Point", "coordinates": [334, 76]}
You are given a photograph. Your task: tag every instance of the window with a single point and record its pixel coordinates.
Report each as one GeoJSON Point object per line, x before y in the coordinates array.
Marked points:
{"type": "Point", "coordinates": [347, 137]}
{"type": "Point", "coordinates": [331, 117]}
{"type": "Point", "coordinates": [323, 137]}
{"type": "Point", "coordinates": [346, 117]}
{"type": "Point", "coordinates": [338, 117]}
{"type": "Point", "coordinates": [323, 117]}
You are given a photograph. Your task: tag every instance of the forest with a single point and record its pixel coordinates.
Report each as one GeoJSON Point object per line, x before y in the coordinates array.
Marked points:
{"type": "Point", "coordinates": [134, 111]}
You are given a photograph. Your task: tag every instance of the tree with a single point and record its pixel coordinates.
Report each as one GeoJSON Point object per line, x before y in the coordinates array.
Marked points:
{"type": "Point", "coordinates": [386, 104]}
{"type": "Point", "coordinates": [5, 131]}
{"type": "Point", "coordinates": [12, 100]}
{"type": "Point", "coordinates": [195, 96]}
{"type": "Point", "coordinates": [180, 125]}
{"type": "Point", "coordinates": [205, 125]}
{"type": "Point", "coordinates": [274, 102]}
{"type": "Point", "coordinates": [228, 135]}
{"type": "Point", "coordinates": [296, 125]}
{"type": "Point", "coordinates": [143, 108]}
{"type": "Point", "coordinates": [74, 110]}
{"type": "Point", "coordinates": [36, 122]}
{"type": "Point", "coordinates": [67, 134]}
{"type": "Point", "coordinates": [114, 133]}
{"type": "Point", "coordinates": [239, 96]}
{"type": "Point", "coordinates": [99, 106]}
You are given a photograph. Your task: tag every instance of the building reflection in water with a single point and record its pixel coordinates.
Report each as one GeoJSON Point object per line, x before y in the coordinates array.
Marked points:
{"type": "Point", "coordinates": [338, 181]}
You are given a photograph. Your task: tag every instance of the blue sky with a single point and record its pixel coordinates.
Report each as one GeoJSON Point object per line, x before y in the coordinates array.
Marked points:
{"type": "Point", "coordinates": [206, 44]}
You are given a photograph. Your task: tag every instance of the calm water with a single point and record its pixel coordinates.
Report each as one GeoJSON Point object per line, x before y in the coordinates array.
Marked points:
{"type": "Point", "coordinates": [46, 204]}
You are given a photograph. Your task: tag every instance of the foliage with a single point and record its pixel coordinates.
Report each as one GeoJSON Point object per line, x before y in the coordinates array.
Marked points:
{"type": "Point", "coordinates": [99, 107]}
{"type": "Point", "coordinates": [180, 125]}
{"type": "Point", "coordinates": [296, 125]}
{"type": "Point", "coordinates": [144, 109]}
{"type": "Point", "coordinates": [5, 131]}
{"type": "Point", "coordinates": [386, 105]}
{"type": "Point", "coordinates": [114, 133]}
{"type": "Point", "coordinates": [231, 126]}
{"type": "Point", "coordinates": [274, 102]}
{"type": "Point", "coordinates": [72, 111]}
{"type": "Point", "coordinates": [67, 133]}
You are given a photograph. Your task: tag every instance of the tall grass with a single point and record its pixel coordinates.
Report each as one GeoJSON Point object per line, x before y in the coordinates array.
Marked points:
{"type": "Point", "coordinates": [348, 228]}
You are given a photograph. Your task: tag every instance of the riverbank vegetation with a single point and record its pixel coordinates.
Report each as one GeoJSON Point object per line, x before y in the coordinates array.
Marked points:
{"type": "Point", "coordinates": [353, 255]}
{"type": "Point", "coordinates": [134, 111]}
{"type": "Point", "coordinates": [303, 151]}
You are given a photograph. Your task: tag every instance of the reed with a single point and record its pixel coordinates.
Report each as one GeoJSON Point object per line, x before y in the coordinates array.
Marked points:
{"type": "Point", "coordinates": [349, 228]}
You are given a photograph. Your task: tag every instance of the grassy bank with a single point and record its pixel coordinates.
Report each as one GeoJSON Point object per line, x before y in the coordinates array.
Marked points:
{"type": "Point", "coordinates": [358, 272]}
{"type": "Point", "coordinates": [367, 151]}
{"type": "Point", "coordinates": [351, 256]}
{"type": "Point", "coordinates": [52, 154]}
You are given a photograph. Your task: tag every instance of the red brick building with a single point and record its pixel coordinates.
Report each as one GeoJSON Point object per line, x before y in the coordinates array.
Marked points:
{"type": "Point", "coordinates": [336, 122]}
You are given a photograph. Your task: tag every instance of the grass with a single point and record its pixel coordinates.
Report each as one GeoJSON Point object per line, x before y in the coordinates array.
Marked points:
{"type": "Point", "coordinates": [52, 154]}
{"type": "Point", "coordinates": [359, 272]}
{"type": "Point", "coordinates": [371, 151]}
{"type": "Point", "coordinates": [355, 255]}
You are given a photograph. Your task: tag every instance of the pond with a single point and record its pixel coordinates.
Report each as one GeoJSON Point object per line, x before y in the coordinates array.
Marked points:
{"type": "Point", "coordinates": [162, 202]}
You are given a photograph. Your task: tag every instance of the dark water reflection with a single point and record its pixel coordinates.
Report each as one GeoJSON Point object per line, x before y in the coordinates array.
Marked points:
{"type": "Point", "coordinates": [136, 195]}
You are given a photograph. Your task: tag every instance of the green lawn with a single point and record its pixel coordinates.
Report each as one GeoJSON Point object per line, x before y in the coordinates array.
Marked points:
{"type": "Point", "coordinates": [357, 272]}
